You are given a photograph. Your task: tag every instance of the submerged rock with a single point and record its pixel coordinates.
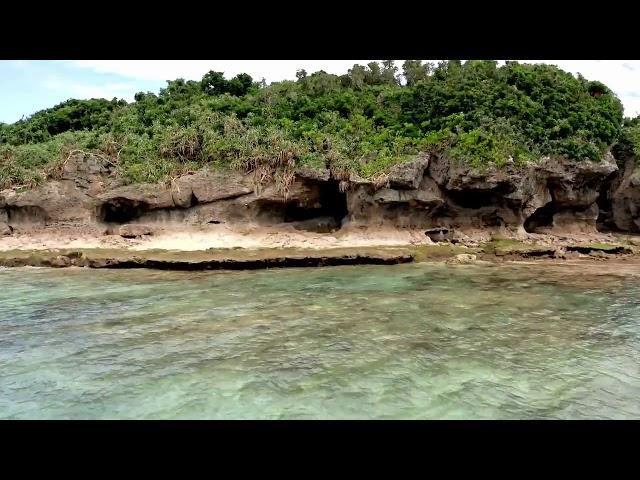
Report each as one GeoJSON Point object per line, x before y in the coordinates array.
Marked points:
{"type": "Point", "coordinates": [59, 261]}
{"type": "Point", "coordinates": [462, 258]}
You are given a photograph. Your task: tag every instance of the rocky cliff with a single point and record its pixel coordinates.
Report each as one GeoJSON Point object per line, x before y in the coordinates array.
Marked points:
{"type": "Point", "coordinates": [431, 192]}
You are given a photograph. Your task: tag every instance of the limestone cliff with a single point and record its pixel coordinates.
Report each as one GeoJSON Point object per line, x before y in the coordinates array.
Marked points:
{"type": "Point", "coordinates": [431, 191]}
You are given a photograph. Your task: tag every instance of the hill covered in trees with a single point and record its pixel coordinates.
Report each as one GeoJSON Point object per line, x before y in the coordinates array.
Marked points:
{"type": "Point", "coordinates": [360, 123]}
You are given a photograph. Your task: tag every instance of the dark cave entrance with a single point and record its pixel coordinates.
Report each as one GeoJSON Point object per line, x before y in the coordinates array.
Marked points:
{"type": "Point", "coordinates": [541, 218]}
{"type": "Point", "coordinates": [332, 203]}
{"type": "Point", "coordinates": [121, 210]}
{"type": "Point", "coordinates": [604, 222]}
{"type": "Point", "coordinates": [323, 216]}
{"type": "Point", "coordinates": [479, 198]}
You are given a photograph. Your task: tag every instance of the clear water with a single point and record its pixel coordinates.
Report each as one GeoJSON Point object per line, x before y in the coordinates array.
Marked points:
{"type": "Point", "coordinates": [406, 341]}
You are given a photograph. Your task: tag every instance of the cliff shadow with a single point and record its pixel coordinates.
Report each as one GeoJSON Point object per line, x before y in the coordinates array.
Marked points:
{"type": "Point", "coordinates": [324, 214]}
{"type": "Point", "coordinates": [121, 210]}
{"type": "Point", "coordinates": [542, 218]}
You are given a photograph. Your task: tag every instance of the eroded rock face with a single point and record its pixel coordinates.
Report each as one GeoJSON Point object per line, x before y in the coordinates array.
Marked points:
{"type": "Point", "coordinates": [431, 191]}
{"type": "Point", "coordinates": [57, 200]}
{"type": "Point", "coordinates": [625, 198]}
{"type": "Point", "coordinates": [551, 194]}
{"type": "Point", "coordinates": [70, 198]}
{"type": "Point", "coordinates": [206, 187]}
{"type": "Point", "coordinates": [402, 208]}
{"type": "Point", "coordinates": [151, 195]}
{"type": "Point", "coordinates": [407, 175]}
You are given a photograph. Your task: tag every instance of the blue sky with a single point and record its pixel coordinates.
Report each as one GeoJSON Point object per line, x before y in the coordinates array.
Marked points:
{"type": "Point", "coordinates": [27, 86]}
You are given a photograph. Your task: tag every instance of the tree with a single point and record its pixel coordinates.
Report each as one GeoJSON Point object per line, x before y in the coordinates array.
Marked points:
{"type": "Point", "coordinates": [414, 71]}
{"type": "Point", "coordinates": [373, 76]}
{"type": "Point", "coordinates": [240, 85]}
{"type": "Point", "coordinates": [389, 73]}
{"type": "Point", "coordinates": [214, 83]}
{"type": "Point", "coordinates": [358, 74]}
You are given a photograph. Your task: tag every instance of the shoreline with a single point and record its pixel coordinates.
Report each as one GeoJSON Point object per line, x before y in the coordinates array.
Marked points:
{"type": "Point", "coordinates": [259, 247]}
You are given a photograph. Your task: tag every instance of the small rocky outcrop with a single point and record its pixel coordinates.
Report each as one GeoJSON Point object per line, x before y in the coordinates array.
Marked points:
{"type": "Point", "coordinates": [318, 225]}
{"type": "Point", "coordinates": [439, 234]}
{"type": "Point", "coordinates": [206, 187]}
{"type": "Point", "coordinates": [408, 175]}
{"type": "Point", "coordinates": [5, 229]}
{"type": "Point", "coordinates": [135, 230]}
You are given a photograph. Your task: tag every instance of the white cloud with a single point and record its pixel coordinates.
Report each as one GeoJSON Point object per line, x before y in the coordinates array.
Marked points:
{"type": "Point", "coordinates": [622, 76]}
{"type": "Point", "coordinates": [271, 70]}
{"type": "Point", "coordinates": [83, 90]}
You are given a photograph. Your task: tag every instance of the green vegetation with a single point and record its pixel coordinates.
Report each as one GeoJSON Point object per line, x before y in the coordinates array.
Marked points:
{"type": "Point", "coordinates": [361, 122]}
{"type": "Point", "coordinates": [629, 142]}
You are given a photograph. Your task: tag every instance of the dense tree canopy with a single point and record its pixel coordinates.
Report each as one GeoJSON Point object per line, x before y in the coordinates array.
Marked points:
{"type": "Point", "coordinates": [362, 122]}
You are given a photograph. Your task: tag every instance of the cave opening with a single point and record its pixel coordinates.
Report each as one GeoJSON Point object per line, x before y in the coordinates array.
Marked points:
{"type": "Point", "coordinates": [478, 198]}
{"type": "Point", "coordinates": [325, 214]}
{"type": "Point", "coordinates": [605, 222]}
{"type": "Point", "coordinates": [331, 203]}
{"type": "Point", "coordinates": [122, 210]}
{"type": "Point", "coordinates": [541, 218]}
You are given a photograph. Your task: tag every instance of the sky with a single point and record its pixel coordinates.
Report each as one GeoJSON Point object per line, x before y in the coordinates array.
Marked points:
{"type": "Point", "coordinates": [27, 86]}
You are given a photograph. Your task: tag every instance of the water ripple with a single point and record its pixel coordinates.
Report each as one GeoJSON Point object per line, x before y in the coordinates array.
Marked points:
{"type": "Point", "coordinates": [408, 341]}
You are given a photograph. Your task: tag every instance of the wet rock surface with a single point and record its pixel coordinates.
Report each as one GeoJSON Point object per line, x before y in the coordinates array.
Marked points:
{"type": "Point", "coordinates": [503, 250]}
{"type": "Point", "coordinates": [462, 258]}
{"type": "Point", "coordinates": [230, 260]}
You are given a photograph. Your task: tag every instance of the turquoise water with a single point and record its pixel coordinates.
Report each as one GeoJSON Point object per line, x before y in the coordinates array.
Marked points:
{"type": "Point", "coordinates": [407, 341]}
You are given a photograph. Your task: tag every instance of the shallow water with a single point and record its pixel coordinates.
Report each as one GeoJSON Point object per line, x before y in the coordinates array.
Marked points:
{"type": "Point", "coordinates": [405, 341]}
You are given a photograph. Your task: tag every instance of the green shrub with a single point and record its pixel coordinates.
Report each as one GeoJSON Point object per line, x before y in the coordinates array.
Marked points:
{"type": "Point", "coordinates": [362, 122]}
